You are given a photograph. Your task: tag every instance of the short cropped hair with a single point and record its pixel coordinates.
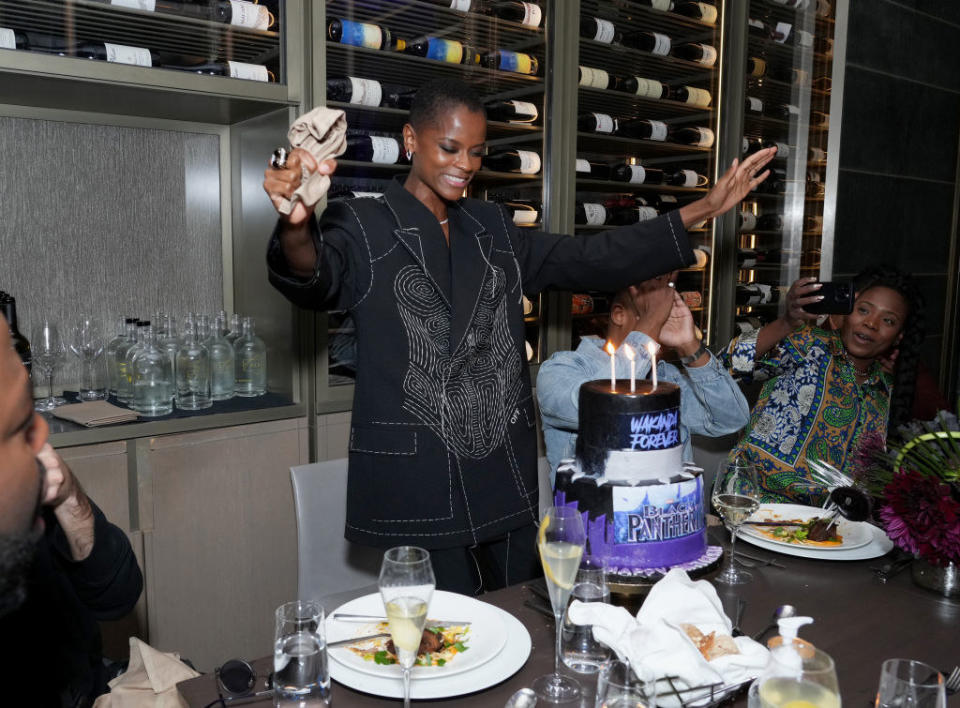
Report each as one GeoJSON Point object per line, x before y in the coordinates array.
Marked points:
{"type": "Point", "coordinates": [439, 95]}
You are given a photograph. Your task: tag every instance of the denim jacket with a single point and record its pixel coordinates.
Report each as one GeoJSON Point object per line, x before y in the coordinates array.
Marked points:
{"type": "Point", "coordinates": [710, 401]}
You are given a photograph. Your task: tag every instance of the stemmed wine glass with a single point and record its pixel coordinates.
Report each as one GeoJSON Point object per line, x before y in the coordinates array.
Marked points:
{"type": "Point", "coordinates": [406, 586]}
{"type": "Point", "coordinates": [811, 683]}
{"type": "Point", "coordinates": [735, 496]}
{"type": "Point", "coordinates": [49, 355]}
{"type": "Point", "coordinates": [86, 342]}
{"type": "Point", "coordinates": [560, 541]}
{"type": "Point", "coordinates": [905, 683]}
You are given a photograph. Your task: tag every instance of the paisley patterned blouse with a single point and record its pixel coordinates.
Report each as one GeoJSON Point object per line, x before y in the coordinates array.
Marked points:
{"type": "Point", "coordinates": [810, 407]}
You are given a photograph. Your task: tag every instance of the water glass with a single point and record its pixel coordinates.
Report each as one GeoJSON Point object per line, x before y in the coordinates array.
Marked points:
{"type": "Point", "coordinates": [910, 684]}
{"type": "Point", "coordinates": [618, 686]}
{"type": "Point", "coordinates": [580, 651]}
{"type": "Point", "coordinates": [300, 673]}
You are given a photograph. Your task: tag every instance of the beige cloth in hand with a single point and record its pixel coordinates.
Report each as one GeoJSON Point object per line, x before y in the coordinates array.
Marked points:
{"type": "Point", "coordinates": [150, 680]}
{"type": "Point", "coordinates": [323, 133]}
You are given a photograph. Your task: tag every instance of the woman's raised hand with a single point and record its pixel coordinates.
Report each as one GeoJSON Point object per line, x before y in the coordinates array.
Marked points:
{"type": "Point", "coordinates": [802, 292]}
{"type": "Point", "coordinates": [281, 182]}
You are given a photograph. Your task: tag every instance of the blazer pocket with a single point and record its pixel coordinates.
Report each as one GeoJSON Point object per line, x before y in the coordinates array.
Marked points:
{"type": "Point", "coordinates": [382, 440]}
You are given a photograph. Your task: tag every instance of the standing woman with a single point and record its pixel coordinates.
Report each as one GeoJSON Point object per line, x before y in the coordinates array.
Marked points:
{"type": "Point", "coordinates": [442, 446]}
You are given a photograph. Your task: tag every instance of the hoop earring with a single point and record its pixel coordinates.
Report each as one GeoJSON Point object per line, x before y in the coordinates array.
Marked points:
{"type": "Point", "coordinates": [409, 154]}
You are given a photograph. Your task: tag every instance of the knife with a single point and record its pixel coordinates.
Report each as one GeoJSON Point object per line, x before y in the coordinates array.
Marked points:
{"type": "Point", "coordinates": [346, 617]}
{"type": "Point", "coordinates": [774, 523]}
{"type": "Point", "coordinates": [355, 640]}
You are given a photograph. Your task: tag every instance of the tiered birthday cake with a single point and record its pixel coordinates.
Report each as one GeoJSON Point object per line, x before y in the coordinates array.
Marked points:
{"type": "Point", "coordinates": [642, 506]}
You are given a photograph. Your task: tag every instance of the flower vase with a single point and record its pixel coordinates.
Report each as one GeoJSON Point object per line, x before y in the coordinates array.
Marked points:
{"type": "Point", "coordinates": [941, 579]}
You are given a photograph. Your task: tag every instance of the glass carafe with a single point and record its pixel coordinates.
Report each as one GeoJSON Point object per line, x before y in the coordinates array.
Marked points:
{"type": "Point", "coordinates": [223, 376]}
{"type": "Point", "coordinates": [193, 371]}
{"type": "Point", "coordinates": [125, 354]}
{"type": "Point", "coordinates": [125, 327]}
{"type": "Point", "coordinates": [152, 378]}
{"type": "Point", "coordinates": [250, 362]}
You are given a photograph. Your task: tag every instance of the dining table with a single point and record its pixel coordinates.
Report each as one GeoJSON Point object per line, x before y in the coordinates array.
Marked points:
{"type": "Point", "coordinates": [860, 620]}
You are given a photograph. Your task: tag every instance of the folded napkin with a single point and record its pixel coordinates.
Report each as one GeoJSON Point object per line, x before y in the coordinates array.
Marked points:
{"type": "Point", "coordinates": [150, 680]}
{"type": "Point", "coordinates": [656, 645]}
{"type": "Point", "coordinates": [323, 133]}
{"type": "Point", "coordinates": [94, 413]}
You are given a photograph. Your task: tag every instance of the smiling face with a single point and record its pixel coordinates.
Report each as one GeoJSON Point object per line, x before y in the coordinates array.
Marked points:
{"type": "Point", "coordinates": [448, 151]}
{"type": "Point", "coordinates": [876, 324]}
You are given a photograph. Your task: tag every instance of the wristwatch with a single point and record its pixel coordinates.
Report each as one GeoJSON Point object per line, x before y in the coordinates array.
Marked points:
{"type": "Point", "coordinates": [701, 350]}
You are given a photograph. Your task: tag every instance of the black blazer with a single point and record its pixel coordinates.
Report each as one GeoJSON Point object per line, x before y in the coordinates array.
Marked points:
{"type": "Point", "coordinates": [443, 442]}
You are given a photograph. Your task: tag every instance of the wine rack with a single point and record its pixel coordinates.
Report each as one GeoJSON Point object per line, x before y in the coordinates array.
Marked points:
{"type": "Point", "coordinates": [621, 59]}
{"type": "Point", "coordinates": [396, 67]}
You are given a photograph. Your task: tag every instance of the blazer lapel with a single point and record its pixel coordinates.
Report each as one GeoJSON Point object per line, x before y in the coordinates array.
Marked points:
{"type": "Point", "coordinates": [470, 245]}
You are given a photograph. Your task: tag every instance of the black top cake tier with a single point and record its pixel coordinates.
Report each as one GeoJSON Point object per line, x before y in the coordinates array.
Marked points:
{"type": "Point", "coordinates": [616, 419]}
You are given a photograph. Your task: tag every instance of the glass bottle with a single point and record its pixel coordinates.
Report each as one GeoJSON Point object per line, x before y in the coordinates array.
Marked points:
{"type": "Point", "coordinates": [113, 347]}
{"type": "Point", "coordinates": [152, 377]}
{"type": "Point", "coordinates": [222, 374]}
{"type": "Point", "coordinates": [125, 353]}
{"type": "Point", "coordinates": [250, 362]}
{"type": "Point", "coordinates": [193, 371]}
{"type": "Point", "coordinates": [236, 329]}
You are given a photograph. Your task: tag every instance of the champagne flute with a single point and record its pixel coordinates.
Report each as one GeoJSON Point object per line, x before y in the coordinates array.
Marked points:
{"type": "Point", "coordinates": [905, 683]}
{"type": "Point", "coordinates": [406, 586]}
{"type": "Point", "coordinates": [49, 355]}
{"type": "Point", "coordinates": [735, 496]}
{"type": "Point", "coordinates": [86, 342]}
{"type": "Point", "coordinates": [560, 542]}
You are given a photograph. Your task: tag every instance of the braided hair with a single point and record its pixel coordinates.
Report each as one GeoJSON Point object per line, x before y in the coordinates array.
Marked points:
{"type": "Point", "coordinates": [914, 331]}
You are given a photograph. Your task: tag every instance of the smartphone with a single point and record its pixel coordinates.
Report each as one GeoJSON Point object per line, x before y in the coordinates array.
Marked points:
{"type": "Point", "coordinates": [837, 299]}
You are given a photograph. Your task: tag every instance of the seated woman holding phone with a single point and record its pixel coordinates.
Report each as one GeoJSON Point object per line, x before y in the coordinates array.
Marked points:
{"type": "Point", "coordinates": [824, 390]}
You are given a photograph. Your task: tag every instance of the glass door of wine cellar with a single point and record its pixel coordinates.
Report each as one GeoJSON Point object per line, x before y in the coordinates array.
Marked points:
{"type": "Point", "coordinates": [786, 103]}
{"type": "Point", "coordinates": [378, 52]}
{"type": "Point", "coordinates": [646, 130]}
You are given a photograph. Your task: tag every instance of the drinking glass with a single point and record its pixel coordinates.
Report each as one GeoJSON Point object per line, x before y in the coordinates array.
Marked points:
{"type": "Point", "coordinates": [619, 687]}
{"type": "Point", "coordinates": [49, 355]}
{"type": "Point", "coordinates": [581, 652]}
{"type": "Point", "coordinates": [560, 542]}
{"type": "Point", "coordinates": [300, 673]}
{"type": "Point", "coordinates": [815, 684]}
{"type": "Point", "coordinates": [406, 585]}
{"type": "Point", "coordinates": [86, 342]}
{"type": "Point", "coordinates": [735, 497]}
{"type": "Point", "coordinates": [910, 684]}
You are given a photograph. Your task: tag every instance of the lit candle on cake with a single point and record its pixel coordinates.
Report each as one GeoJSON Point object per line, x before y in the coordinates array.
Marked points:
{"type": "Point", "coordinates": [611, 350]}
{"type": "Point", "coordinates": [652, 348]}
{"type": "Point", "coordinates": [633, 367]}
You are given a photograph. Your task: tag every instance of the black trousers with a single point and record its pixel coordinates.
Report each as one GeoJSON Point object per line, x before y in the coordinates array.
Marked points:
{"type": "Point", "coordinates": [491, 565]}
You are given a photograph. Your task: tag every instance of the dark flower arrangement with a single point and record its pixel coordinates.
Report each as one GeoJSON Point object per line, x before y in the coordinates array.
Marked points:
{"type": "Point", "coordinates": [916, 480]}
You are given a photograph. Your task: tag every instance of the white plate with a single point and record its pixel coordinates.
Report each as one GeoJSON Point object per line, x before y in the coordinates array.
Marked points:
{"type": "Point", "coordinates": [485, 639]}
{"type": "Point", "coordinates": [499, 668]}
{"type": "Point", "coordinates": [854, 534]}
{"type": "Point", "coordinates": [879, 545]}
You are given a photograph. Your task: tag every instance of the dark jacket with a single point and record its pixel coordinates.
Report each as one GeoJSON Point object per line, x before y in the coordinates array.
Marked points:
{"type": "Point", "coordinates": [442, 442]}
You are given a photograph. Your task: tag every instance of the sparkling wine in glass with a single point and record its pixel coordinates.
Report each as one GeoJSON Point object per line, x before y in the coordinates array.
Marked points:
{"type": "Point", "coordinates": [813, 684]}
{"type": "Point", "coordinates": [86, 342]}
{"type": "Point", "coordinates": [735, 497]}
{"type": "Point", "coordinates": [49, 354]}
{"type": "Point", "coordinates": [560, 541]}
{"type": "Point", "coordinates": [406, 586]}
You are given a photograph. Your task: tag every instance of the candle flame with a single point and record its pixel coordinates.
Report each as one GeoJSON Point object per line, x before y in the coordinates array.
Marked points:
{"type": "Point", "coordinates": [609, 348]}
{"type": "Point", "coordinates": [628, 350]}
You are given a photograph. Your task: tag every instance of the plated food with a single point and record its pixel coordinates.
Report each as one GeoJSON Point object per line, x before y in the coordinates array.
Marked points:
{"type": "Point", "coordinates": [439, 645]}
{"type": "Point", "coordinates": [818, 532]}
{"type": "Point", "coordinates": [804, 528]}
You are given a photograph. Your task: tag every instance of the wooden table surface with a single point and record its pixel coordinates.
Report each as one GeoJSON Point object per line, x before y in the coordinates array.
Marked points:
{"type": "Point", "coordinates": [858, 621]}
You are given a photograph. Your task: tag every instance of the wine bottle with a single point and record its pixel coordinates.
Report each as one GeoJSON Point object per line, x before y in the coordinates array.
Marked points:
{"type": "Point", "coordinates": [398, 97]}
{"type": "Point", "coordinates": [458, 5]}
{"type": "Point", "coordinates": [648, 88]}
{"type": "Point", "coordinates": [703, 54]}
{"type": "Point", "coordinates": [756, 67]}
{"type": "Point", "coordinates": [686, 178]}
{"type": "Point", "coordinates": [599, 30]}
{"type": "Point", "coordinates": [622, 216]}
{"type": "Point", "coordinates": [819, 119]}
{"type": "Point", "coordinates": [597, 123]}
{"type": "Point", "coordinates": [770, 222]}
{"type": "Point", "coordinates": [783, 111]}
{"type": "Point", "coordinates": [691, 298]}
{"type": "Point", "coordinates": [749, 294]}
{"type": "Point", "coordinates": [636, 174]}
{"type": "Point", "coordinates": [753, 105]}
{"type": "Point", "coordinates": [652, 42]}
{"type": "Point", "coordinates": [594, 78]}
{"type": "Point", "coordinates": [525, 212]}
{"type": "Point", "coordinates": [239, 13]}
{"type": "Point", "coordinates": [113, 53]}
{"type": "Point", "coordinates": [643, 129]}
{"type": "Point", "coordinates": [817, 154]}
{"type": "Point", "coordinates": [692, 95]}
{"type": "Point", "coordinates": [592, 170]}
{"type": "Point", "coordinates": [776, 183]}
{"type": "Point", "coordinates": [783, 150]}
{"type": "Point", "coordinates": [824, 8]}
{"type": "Point", "coordinates": [748, 324]}
{"type": "Point", "coordinates": [512, 111]}
{"type": "Point", "coordinates": [589, 214]}
{"type": "Point", "coordinates": [11, 39]}
{"type": "Point", "coordinates": [373, 148]}
{"type": "Point", "coordinates": [350, 89]}
{"type": "Point", "coordinates": [516, 62]}
{"type": "Point", "coordinates": [662, 5]}
{"type": "Point", "coordinates": [233, 69]}
{"type": "Point", "coordinates": [358, 34]}
{"type": "Point", "coordinates": [752, 145]}
{"type": "Point", "coordinates": [748, 221]}
{"type": "Point", "coordinates": [664, 203]}
{"type": "Point", "coordinates": [700, 136]}
{"type": "Point", "coordinates": [746, 258]}
{"type": "Point", "coordinates": [8, 308]}
{"type": "Point", "coordinates": [697, 10]}
{"type": "Point", "coordinates": [526, 13]}
{"type": "Point", "coordinates": [446, 50]}
{"type": "Point", "coordinates": [789, 75]}
{"type": "Point", "coordinates": [526, 162]}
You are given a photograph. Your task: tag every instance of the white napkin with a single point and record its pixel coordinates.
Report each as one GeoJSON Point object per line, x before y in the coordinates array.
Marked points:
{"type": "Point", "coordinates": [150, 680]}
{"type": "Point", "coordinates": [656, 646]}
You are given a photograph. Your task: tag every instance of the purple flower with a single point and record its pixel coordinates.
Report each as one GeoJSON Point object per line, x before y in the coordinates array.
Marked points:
{"type": "Point", "coordinates": [922, 517]}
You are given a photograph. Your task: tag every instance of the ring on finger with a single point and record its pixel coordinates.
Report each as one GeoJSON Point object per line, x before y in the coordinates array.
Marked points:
{"type": "Point", "coordinates": [278, 160]}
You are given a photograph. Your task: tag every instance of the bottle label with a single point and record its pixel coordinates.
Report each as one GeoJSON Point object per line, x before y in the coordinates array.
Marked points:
{"type": "Point", "coordinates": [649, 88]}
{"type": "Point", "coordinates": [817, 154]}
{"type": "Point", "coordinates": [516, 62]}
{"type": "Point", "coordinates": [658, 130]}
{"type": "Point", "coordinates": [661, 44]}
{"type": "Point", "coordinates": [529, 162]}
{"type": "Point", "coordinates": [668, 199]}
{"type": "Point", "coordinates": [690, 178]}
{"type": "Point", "coordinates": [605, 123]}
{"type": "Point", "coordinates": [783, 150]}
{"type": "Point", "coordinates": [460, 5]}
{"type": "Point", "coordinates": [385, 150]}
{"type": "Point", "coordinates": [365, 92]}
{"type": "Point", "coordinates": [596, 213]}
{"type": "Point", "coordinates": [121, 54]}
{"type": "Point", "coordinates": [361, 34]}
{"type": "Point", "coordinates": [145, 5]}
{"type": "Point", "coordinates": [524, 216]}
{"type": "Point", "coordinates": [637, 174]}
{"type": "Point", "coordinates": [248, 14]}
{"type": "Point", "coordinates": [755, 104]}
{"type": "Point", "coordinates": [698, 96]}
{"type": "Point", "coordinates": [448, 50]}
{"type": "Point", "coordinates": [782, 32]}
{"type": "Point", "coordinates": [252, 72]}
{"type": "Point", "coordinates": [645, 213]}
{"type": "Point", "coordinates": [583, 165]}
{"type": "Point", "coordinates": [750, 262]}
{"type": "Point", "coordinates": [756, 24]}
{"type": "Point", "coordinates": [709, 13]}
{"type": "Point", "coordinates": [706, 137]}
{"type": "Point", "coordinates": [759, 67]}
{"type": "Point", "coordinates": [744, 145]}
{"type": "Point", "coordinates": [595, 78]}
{"type": "Point", "coordinates": [605, 31]}
{"type": "Point", "coordinates": [749, 221]}
{"type": "Point", "coordinates": [8, 40]}
{"type": "Point", "coordinates": [692, 298]}
{"type": "Point", "coordinates": [792, 110]}
{"type": "Point", "coordinates": [662, 5]}
{"type": "Point", "coordinates": [532, 14]}
{"type": "Point", "coordinates": [709, 57]}
{"type": "Point", "coordinates": [526, 112]}
{"type": "Point", "coordinates": [765, 291]}
{"type": "Point", "coordinates": [804, 39]}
